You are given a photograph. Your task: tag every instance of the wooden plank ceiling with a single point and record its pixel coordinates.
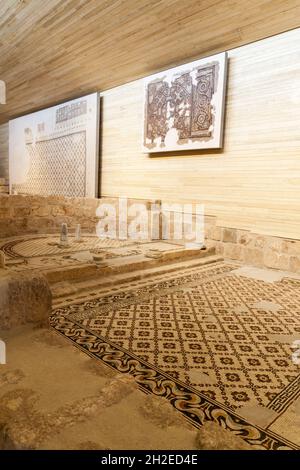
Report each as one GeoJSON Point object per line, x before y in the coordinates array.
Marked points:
{"type": "Point", "coordinates": [55, 50]}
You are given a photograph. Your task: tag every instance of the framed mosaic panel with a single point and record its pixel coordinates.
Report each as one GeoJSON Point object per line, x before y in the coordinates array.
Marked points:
{"type": "Point", "coordinates": [184, 106]}
{"type": "Point", "coordinates": [55, 152]}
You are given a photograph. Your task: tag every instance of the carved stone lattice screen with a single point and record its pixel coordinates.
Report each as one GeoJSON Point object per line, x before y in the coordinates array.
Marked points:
{"type": "Point", "coordinates": [54, 152]}
{"type": "Point", "coordinates": [51, 175]}
{"type": "Point", "coordinates": [184, 106]}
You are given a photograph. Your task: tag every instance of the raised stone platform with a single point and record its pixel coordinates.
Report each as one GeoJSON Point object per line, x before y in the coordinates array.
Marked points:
{"type": "Point", "coordinates": [95, 263]}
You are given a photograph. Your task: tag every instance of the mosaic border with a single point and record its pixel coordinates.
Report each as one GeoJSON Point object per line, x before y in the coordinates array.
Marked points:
{"type": "Point", "coordinates": [195, 406]}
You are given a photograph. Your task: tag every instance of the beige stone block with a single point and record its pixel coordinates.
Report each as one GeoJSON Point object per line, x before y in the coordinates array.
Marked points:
{"type": "Point", "coordinates": [294, 264]}
{"type": "Point", "coordinates": [89, 213]}
{"type": "Point", "coordinates": [35, 200]}
{"type": "Point", "coordinates": [5, 200]}
{"type": "Point", "coordinates": [232, 251]}
{"type": "Point", "coordinates": [21, 211]}
{"type": "Point", "coordinates": [6, 230]}
{"type": "Point", "coordinates": [212, 232]}
{"type": "Point", "coordinates": [5, 212]}
{"type": "Point", "coordinates": [57, 210]}
{"type": "Point", "coordinates": [70, 210]}
{"type": "Point", "coordinates": [20, 224]}
{"type": "Point", "coordinates": [57, 221]}
{"type": "Point", "coordinates": [253, 256]}
{"type": "Point", "coordinates": [91, 204]}
{"type": "Point", "coordinates": [55, 200]}
{"type": "Point", "coordinates": [211, 244]}
{"type": "Point", "coordinates": [24, 298]}
{"type": "Point", "coordinates": [39, 224]}
{"type": "Point", "coordinates": [291, 247]}
{"type": "Point", "coordinates": [229, 235]}
{"type": "Point", "coordinates": [17, 200]}
{"type": "Point", "coordinates": [42, 211]}
{"type": "Point", "coordinates": [243, 237]}
{"type": "Point", "coordinates": [216, 233]}
{"type": "Point", "coordinates": [219, 246]}
{"type": "Point", "coordinates": [274, 260]}
{"type": "Point", "coordinates": [89, 224]}
{"type": "Point", "coordinates": [259, 241]}
{"type": "Point", "coordinates": [274, 244]}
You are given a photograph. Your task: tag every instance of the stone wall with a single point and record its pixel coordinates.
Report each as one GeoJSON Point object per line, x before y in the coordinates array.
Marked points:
{"type": "Point", "coordinates": [37, 214]}
{"type": "Point", "coordinates": [33, 214]}
{"type": "Point", "coordinates": [255, 249]}
{"type": "Point", "coordinates": [252, 248]}
{"type": "Point", "coordinates": [21, 214]}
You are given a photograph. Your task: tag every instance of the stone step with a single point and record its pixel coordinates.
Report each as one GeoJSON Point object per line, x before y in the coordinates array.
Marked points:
{"type": "Point", "coordinates": [83, 290]}
{"type": "Point", "coordinates": [122, 265]}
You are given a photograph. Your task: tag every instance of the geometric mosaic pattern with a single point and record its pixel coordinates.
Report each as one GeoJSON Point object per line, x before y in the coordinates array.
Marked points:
{"type": "Point", "coordinates": [219, 341]}
{"type": "Point", "coordinates": [44, 252]}
{"type": "Point", "coordinates": [198, 342]}
{"type": "Point", "coordinates": [31, 247]}
{"type": "Point", "coordinates": [57, 167]}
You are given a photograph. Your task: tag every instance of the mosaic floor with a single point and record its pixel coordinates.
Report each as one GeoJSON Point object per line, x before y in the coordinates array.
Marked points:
{"type": "Point", "coordinates": [215, 343]}
{"type": "Point", "coordinates": [54, 397]}
{"type": "Point", "coordinates": [48, 245]}
{"type": "Point", "coordinates": [45, 251]}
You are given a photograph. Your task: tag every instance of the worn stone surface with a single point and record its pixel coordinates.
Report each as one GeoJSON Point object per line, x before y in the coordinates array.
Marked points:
{"type": "Point", "coordinates": [31, 214]}
{"type": "Point", "coordinates": [218, 245]}
{"type": "Point", "coordinates": [53, 396]}
{"type": "Point", "coordinates": [24, 298]}
{"type": "Point", "coordinates": [253, 256]}
{"type": "Point", "coordinates": [37, 214]}
{"type": "Point", "coordinates": [275, 244]}
{"type": "Point", "coordinates": [216, 233]}
{"type": "Point", "coordinates": [291, 247]}
{"type": "Point", "coordinates": [243, 237]}
{"type": "Point", "coordinates": [255, 249]}
{"type": "Point", "coordinates": [212, 436]}
{"type": "Point", "coordinates": [229, 235]}
{"type": "Point", "coordinates": [294, 265]}
{"type": "Point", "coordinates": [266, 275]}
{"type": "Point", "coordinates": [232, 251]}
{"type": "Point", "coordinates": [273, 259]}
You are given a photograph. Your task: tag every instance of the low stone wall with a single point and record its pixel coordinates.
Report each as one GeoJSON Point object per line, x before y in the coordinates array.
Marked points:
{"type": "Point", "coordinates": [21, 214]}
{"type": "Point", "coordinates": [33, 214]}
{"type": "Point", "coordinates": [255, 249]}
{"type": "Point", "coordinates": [251, 248]}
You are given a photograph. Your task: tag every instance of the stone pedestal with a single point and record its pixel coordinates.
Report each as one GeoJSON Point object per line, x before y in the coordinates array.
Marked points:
{"type": "Point", "coordinates": [24, 298]}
